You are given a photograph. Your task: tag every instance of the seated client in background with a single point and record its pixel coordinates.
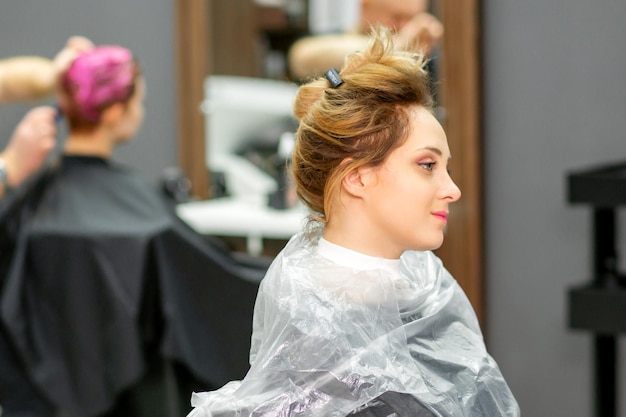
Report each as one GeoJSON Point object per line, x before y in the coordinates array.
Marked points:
{"type": "Point", "coordinates": [103, 286]}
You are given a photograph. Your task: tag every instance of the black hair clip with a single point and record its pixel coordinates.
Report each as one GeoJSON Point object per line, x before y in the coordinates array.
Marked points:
{"type": "Point", "coordinates": [333, 76]}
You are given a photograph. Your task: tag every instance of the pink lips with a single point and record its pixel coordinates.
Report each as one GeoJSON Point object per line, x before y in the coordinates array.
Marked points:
{"type": "Point", "coordinates": [443, 215]}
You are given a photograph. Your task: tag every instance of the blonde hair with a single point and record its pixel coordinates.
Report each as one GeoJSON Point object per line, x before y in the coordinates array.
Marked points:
{"type": "Point", "coordinates": [358, 123]}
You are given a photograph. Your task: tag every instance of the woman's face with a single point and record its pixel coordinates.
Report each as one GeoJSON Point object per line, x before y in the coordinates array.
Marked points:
{"type": "Point", "coordinates": [407, 198]}
{"type": "Point", "coordinates": [133, 114]}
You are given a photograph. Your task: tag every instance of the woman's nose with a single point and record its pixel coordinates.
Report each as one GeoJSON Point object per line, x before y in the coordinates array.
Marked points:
{"type": "Point", "coordinates": [450, 190]}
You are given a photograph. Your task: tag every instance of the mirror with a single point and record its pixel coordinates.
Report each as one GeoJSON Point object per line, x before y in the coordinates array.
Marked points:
{"type": "Point", "coordinates": [249, 38]}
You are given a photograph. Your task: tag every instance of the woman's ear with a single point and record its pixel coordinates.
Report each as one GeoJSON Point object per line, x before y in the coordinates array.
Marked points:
{"type": "Point", "coordinates": [112, 114]}
{"type": "Point", "coordinates": [356, 181]}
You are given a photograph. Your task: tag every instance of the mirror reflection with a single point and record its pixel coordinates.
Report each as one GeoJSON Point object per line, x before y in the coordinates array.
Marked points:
{"type": "Point", "coordinates": [258, 52]}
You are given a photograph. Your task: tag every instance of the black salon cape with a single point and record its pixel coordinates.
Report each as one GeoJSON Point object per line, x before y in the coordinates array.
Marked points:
{"type": "Point", "coordinates": [94, 264]}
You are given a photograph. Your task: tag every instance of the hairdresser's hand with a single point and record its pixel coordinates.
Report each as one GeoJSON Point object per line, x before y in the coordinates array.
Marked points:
{"type": "Point", "coordinates": [421, 33]}
{"type": "Point", "coordinates": [32, 141]}
{"type": "Point", "coordinates": [74, 46]}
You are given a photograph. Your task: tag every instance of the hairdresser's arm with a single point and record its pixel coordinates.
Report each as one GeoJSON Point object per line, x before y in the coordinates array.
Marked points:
{"type": "Point", "coordinates": [421, 33]}
{"type": "Point", "coordinates": [32, 141]}
{"type": "Point", "coordinates": [314, 55]}
{"type": "Point", "coordinates": [25, 78]}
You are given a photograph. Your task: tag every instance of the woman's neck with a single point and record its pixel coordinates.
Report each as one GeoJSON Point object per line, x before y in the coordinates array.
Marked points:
{"type": "Point", "coordinates": [93, 143]}
{"type": "Point", "coordinates": [351, 234]}
{"type": "Point", "coordinates": [354, 259]}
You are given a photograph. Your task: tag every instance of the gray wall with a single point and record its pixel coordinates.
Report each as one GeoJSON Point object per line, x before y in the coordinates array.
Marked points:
{"type": "Point", "coordinates": [145, 26]}
{"type": "Point", "coordinates": [555, 100]}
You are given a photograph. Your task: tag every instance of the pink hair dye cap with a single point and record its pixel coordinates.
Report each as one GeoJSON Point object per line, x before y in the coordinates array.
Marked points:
{"type": "Point", "coordinates": [99, 77]}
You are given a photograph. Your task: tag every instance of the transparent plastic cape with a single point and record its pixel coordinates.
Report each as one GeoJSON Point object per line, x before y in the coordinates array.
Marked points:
{"type": "Point", "coordinates": [330, 341]}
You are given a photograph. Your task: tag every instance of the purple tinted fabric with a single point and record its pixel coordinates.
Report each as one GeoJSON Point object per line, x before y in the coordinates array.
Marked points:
{"type": "Point", "coordinates": [100, 77]}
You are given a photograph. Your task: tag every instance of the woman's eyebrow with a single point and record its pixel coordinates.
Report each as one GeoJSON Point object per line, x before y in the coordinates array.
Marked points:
{"type": "Point", "coordinates": [435, 150]}
{"type": "Point", "coordinates": [432, 149]}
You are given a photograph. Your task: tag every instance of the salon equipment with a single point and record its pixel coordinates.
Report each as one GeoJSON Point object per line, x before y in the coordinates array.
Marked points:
{"type": "Point", "coordinates": [599, 306]}
{"type": "Point", "coordinates": [232, 217]}
{"type": "Point", "coordinates": [250, 134]}
{"type": "Point", "coordinates": [242, 113]}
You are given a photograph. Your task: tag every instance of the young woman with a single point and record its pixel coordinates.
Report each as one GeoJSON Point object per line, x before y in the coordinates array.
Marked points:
{"type": "Point", "coordinates": [356, 316]}
{"type": "Point", "coordinates": [103, 287]}
{"type": "Point", "coordinates": [45, 233]}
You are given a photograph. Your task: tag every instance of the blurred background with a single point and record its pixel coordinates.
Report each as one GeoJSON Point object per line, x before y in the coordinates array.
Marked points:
{"type": "Point", "coordinates": [550, 98]}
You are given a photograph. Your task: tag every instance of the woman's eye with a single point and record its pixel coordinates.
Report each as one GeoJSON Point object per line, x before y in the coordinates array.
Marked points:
{"type": "Point", "coordinates": [428, 166]}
